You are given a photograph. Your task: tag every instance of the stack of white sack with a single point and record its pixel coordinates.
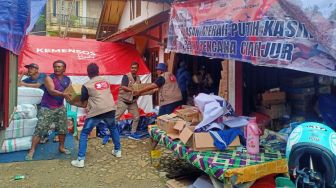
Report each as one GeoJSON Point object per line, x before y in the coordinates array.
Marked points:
{"type": "Point", "coordinates": [18, 135]}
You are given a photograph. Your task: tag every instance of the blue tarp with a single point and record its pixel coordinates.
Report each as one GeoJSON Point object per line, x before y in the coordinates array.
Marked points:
{"type": "Point", "coordinates": [37, 7]}
{"type": "Point", "coordinates": [14, 20]}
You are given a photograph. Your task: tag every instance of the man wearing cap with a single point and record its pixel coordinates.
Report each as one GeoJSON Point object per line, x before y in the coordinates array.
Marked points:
{"type": "Point", "coordinates": [170, 96]}
{"type": "Point", "coordinates": [35, 79]}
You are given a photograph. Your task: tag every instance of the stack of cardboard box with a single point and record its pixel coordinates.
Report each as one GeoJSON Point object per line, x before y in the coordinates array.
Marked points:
{"type": "Point", "coordinates": [224, 82]}
{"type": "Point", "coordinates": [273, 104]}
{"type": "Point", "coordinates": [324, 85]}
{"type": "Point", "coordinates": [182, 125]}
{"type": "Point", "coordinates": [301, 92]}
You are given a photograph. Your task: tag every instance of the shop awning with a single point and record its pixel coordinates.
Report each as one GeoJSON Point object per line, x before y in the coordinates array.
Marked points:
{"type": "Point", "coordinates": [140, 27]}
{"type": "Point", "coordinates": [14, 19]}
{"type": "Point", "coordinates": [278, 33]}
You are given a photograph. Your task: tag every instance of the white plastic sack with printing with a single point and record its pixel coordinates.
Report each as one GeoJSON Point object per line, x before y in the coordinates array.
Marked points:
{"type": "Point", "coordinates": [20, 128]}
{"type": "Point", "coordinates": [16, 144]}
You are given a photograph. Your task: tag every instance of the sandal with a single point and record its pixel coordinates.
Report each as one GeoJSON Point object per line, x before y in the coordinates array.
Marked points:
{"type": "Point", "coordinates": [65, 151]}
{"type": "Point", "coordinates": [56, 139]}
{"type": "Point", "coordinates": [28, 157]}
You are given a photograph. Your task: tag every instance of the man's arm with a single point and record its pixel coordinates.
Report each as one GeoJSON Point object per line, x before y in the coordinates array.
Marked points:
{"type": "Point", "coordinates": [159, 82]}
{"type": "Point", "coordinates": [49, 84]}
{"type": "Point", "coordinates": [82, 104]}
{"type": "Point", "coordinates": [146, 89]}
{"type": "Point", "coordinates": [124, 84]}
{"type": "Point", "coordinates": [34, 85]}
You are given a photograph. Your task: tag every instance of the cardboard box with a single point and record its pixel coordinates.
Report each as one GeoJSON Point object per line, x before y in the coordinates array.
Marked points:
{"type": "Point", "coordinates": [137, 87]}
{"type": "Point", "coordinates": [301, 81]}
{"type": "Point", "coordinates": [75, 90]}
{"type": "Point", "coordinates": [201, 141]}
{"type": "Point", "coordinates": [274, 111]}
{"type": "Point", "coordinates": [189, 114]}
{"type": "Point", "coordinates": [324, 90]}
{"type": "Point", "coordinates": [325, 80]}
{"type": "Point", "coordinates": [93, 133]}
{"type": "Point", "coordinates": [178, 127]}
{"type": "Point", "coordinates": [189, 106]}
{"type": "Point", "coordinates": [300, 97]}
{"type": "Point", "coordinates": [269, 98]}
{"type": "Point", "coordinates": [167, 123]}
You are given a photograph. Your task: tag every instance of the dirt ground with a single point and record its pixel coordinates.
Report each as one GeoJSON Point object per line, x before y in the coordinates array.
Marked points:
{"type": "Point", "coordinates": [101, 169]}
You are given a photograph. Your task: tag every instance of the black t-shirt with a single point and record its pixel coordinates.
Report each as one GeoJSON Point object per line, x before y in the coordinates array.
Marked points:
{"type": "Point", "coordinates": [160, 81]}
{"type": "Point", "coordinates": [124, 81]}
{"type": "Point", "coordinates": [84, 94]}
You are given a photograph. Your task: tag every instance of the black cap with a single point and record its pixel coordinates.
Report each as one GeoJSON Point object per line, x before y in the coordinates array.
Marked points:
{"type": "Point", "coordinates": [34, 65]}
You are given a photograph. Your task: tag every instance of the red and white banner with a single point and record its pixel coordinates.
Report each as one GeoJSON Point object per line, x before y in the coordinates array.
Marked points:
{"type": "Point", "coordinates": [114, 60]}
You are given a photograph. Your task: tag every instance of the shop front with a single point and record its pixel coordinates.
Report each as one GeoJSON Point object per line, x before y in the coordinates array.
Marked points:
{"type": "Point", "coordinates": [269, 61]}
{"type": "Point", "coordinates": [265, 44]}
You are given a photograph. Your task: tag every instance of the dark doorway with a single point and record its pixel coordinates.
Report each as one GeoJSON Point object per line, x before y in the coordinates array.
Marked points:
{"type": "Point", "coordinates": [152, 59]}
{"type": "Point", "coordinates": [2, 83]}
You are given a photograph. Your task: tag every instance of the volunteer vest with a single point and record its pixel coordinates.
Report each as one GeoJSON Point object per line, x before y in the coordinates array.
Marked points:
{"type": "Point", "coordinates": [100, 97]}
{"type": "Point", "coordinates": [54, 102]}
{"type": "Point", "coordinates": [127, 96]}
{"type": "Point", "coordinates": [169, 92]}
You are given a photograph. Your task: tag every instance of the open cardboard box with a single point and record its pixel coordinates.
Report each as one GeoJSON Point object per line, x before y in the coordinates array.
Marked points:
{"type": "Point", "coordinates": [189, 114]}
{"type": "Point", "coordinates": [167, 123]}
{"type": "Point", "coordinates": [178, 128]}
{"type": "Point", "coordinates": [201, 141]}
{"type": "Point", "coordinates": [75, 90]}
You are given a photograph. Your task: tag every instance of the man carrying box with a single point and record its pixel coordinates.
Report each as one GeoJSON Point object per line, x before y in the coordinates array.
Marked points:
{"type": "Point", "coordinates": [97, 98]}
{"type": "Point", "coordinates": [170, 96]}
{"type": "Point", "coordinates": [126, 100]}
{"type": "Point", "coordinates": [52, 109]}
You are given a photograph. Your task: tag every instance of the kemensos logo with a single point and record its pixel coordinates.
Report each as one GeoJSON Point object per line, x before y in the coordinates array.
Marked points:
{"type": "Point", "coordinates": [81, 54]}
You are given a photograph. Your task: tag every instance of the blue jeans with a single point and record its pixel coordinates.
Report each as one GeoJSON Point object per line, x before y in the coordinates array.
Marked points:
{"type": "Point", "coordinates": [89, 124]}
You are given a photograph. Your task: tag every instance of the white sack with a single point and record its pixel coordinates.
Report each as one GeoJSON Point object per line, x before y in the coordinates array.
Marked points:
{"type": "Point", "coordinates": [21, 128]}
{"type": "Point", "coordinates": [25, 111]}
{"type": "Point", "coordinates": [28, 95]}
{"type": "Point", "coordinates": [17, 144]}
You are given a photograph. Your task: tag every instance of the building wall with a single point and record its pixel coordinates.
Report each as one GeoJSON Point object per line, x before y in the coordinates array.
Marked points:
{"type": "Point", "coordinates": [88, 10]}
{"type": "Point", "coordinates": [148, 9]}
{"type": "Point", "coordinates": [152, 44]}
{"type": "Point", "coordinates": [94, 8]}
